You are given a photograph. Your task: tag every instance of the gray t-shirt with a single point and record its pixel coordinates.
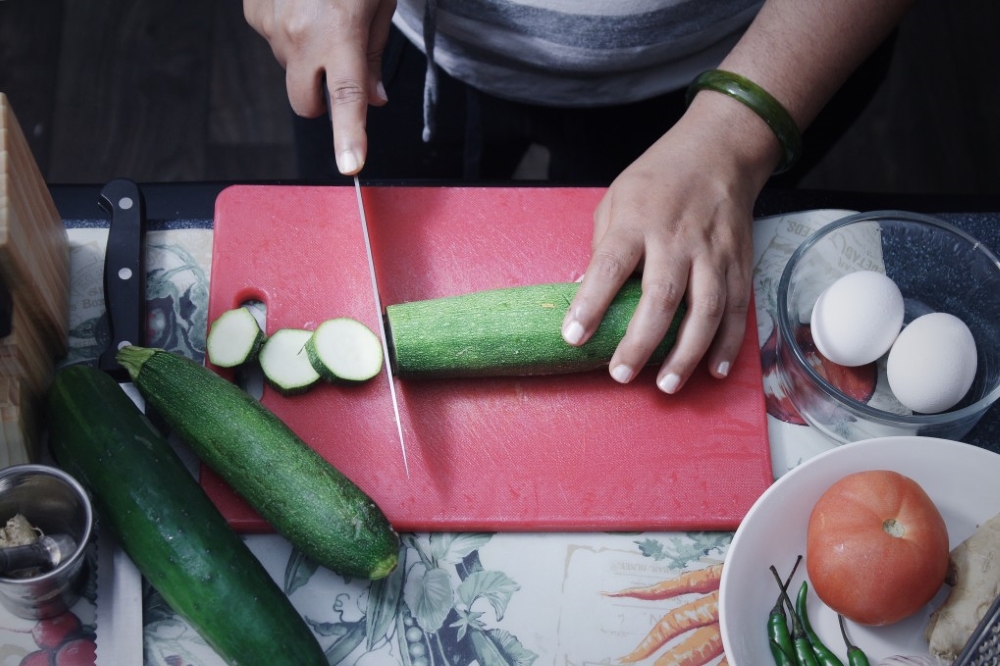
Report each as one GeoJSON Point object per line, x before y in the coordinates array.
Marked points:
{"type": "Point", "coordinates": [577, 52]}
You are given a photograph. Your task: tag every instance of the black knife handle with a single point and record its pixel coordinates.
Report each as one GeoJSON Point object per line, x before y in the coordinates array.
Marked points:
{"type": "Point", "coordinates": [124, 269]}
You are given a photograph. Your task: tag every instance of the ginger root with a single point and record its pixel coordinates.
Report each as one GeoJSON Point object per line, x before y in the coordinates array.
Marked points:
{"type": "Point", "coordinates": [974, 574]}
{"type": "Point", "coordinates": [18, 532]}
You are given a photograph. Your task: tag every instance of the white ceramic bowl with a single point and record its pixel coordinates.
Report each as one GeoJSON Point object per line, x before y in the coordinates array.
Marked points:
{"type": "Point", "coordinates": [960, 478]}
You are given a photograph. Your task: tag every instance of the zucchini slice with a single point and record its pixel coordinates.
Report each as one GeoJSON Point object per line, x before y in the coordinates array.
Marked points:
{"type": "Point", "coordinates": [235, 338]}
{"type": "Point", "coordinates": [344, 349]}
{"type": "Point", "coordinates": [285, 363]}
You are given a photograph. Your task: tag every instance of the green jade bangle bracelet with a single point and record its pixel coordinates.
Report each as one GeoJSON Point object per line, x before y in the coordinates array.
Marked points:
{"type": "Point", "coordinates": [760, 102]}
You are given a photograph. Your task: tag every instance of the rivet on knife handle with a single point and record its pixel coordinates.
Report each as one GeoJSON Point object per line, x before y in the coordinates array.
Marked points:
{"type": "Point", "coordinates": [381, 325]}
{"type": "Point", "coordinates": [124, 269]}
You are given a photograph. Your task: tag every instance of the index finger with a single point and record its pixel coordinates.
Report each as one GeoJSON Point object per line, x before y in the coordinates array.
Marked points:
{"type": "Point", "coordinates": [353, 80]}
{"type": "Point", "coordinates": [347, 101]}
{"type": "Point", "coordinates": [614, 259]}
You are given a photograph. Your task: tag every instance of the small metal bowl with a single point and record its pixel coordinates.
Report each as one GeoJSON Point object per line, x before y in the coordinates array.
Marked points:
{"type": "Point", "coordinates": [54, 502]}
{"type": "Point", "coordinates": [938, 268]}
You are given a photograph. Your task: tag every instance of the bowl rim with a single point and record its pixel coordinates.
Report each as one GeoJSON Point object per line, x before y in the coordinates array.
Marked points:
{"type": "Point", "coordinates": [784, 326]}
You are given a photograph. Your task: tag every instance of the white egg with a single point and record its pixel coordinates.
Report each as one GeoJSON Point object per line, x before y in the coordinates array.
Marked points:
{"type": "Point", "coordinates": [856, 319]}
{"type": "Point", "coordinates": [932, 363]}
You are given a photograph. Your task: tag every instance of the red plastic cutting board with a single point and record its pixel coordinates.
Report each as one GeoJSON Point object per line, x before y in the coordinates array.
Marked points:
{"type": "Point", "coordinates": [575, 452]}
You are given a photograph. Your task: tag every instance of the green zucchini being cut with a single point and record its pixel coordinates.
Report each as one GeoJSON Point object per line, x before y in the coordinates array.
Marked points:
{"type": "Point", "coordinates": [508, 332]}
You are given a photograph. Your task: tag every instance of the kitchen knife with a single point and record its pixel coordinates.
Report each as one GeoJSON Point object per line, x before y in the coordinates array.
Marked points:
{"type": "Point", "coordinates": [386, 361]}
{"type": "Point", "coordinates": [119, 583]}
{"type": "Point", "coordinates": [124, 271]}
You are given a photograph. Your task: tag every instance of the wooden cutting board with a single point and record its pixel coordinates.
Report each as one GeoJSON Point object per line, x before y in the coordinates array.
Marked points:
{"type": "Point", "coordinates": [34, 273]}
{"type": "Point", "coordinates": [575, 452]}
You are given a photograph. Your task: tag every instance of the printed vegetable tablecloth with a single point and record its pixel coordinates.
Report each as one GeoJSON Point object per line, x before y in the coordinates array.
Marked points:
{"type": "Point", "coordinates": [457, 599]}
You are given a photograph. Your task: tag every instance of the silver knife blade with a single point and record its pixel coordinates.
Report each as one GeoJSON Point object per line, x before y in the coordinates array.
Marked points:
{"type": "Point", "coordinates": [381, 325]}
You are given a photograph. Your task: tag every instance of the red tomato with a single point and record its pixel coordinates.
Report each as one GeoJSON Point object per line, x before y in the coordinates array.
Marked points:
{"type": "Point", "coordinates": [877, 547]}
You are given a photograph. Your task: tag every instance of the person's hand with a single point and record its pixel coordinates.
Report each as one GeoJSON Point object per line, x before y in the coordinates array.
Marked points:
{"type": "Point", "coordinates": [333, 43]}
{"type": "Point", "coordinates": [682, 214]}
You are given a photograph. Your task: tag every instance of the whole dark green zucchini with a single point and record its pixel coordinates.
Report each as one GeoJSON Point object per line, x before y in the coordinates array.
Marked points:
{"type": "Point", "coordinates": [508, 332]}
{"type": "Point", "coordinates": [169, 527]}
{"type": "Point", "coordinates": [318, 509]}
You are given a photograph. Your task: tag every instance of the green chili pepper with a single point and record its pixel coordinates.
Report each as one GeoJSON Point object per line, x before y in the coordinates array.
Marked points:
{"type": "Point", "coordinates": [804, 654]}
{"type": "Point", "coordinates": [782, 657]}
{"type": "Point", "coordinates": [778, 636]}
{"type": "Point", "coordinates": [779, 639]}
{"type": "Point", "coordinates": [855, 657]}
{"type": "Point", "coordinates": [823, 653]}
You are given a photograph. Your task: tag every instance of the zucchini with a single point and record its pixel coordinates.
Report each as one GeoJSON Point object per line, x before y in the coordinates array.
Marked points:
{"type": "Point", "coordinates": [508, 332]}
{"type": "Point", "coordinates": [166, 523]}
{"type": "Point", "coordinates": [318, 509]}
{"type": "Point", "coordinates": [235, 338]}
{"type": "Point", "coordinates": [285, 363]}
{"type": "Point", "coordinates": [345, 350]}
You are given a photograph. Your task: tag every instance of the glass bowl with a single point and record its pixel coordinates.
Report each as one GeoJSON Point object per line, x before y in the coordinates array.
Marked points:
{"type": "Point", "coordinates": [938, 268]}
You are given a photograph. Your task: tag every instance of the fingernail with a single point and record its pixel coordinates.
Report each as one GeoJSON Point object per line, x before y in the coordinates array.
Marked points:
{"type": "Point", "coordinates": [573, 332]}
{"type": "Point", "coordinates": [348, 162]}
{"type": "Point", "coordinates": [723, 368]}
{"type": "Point", "coordinates": [621, 373]}
{"type": "Point", "coordinates": [669, 383]}
{"type": "Point", "coordinates": [380, 92]}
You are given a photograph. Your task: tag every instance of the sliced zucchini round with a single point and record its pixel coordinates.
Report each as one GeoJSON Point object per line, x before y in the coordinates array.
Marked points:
{"type": "Point", "coordinates": [344, 349]}
{"type": "Point", "coordinates": [235, 338]}
{"type": "Point", "coordinates": [285, 363]}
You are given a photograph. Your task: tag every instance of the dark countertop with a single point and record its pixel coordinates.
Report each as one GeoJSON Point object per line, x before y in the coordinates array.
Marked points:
{"type": "Point", "coordinates": [177, 202]}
